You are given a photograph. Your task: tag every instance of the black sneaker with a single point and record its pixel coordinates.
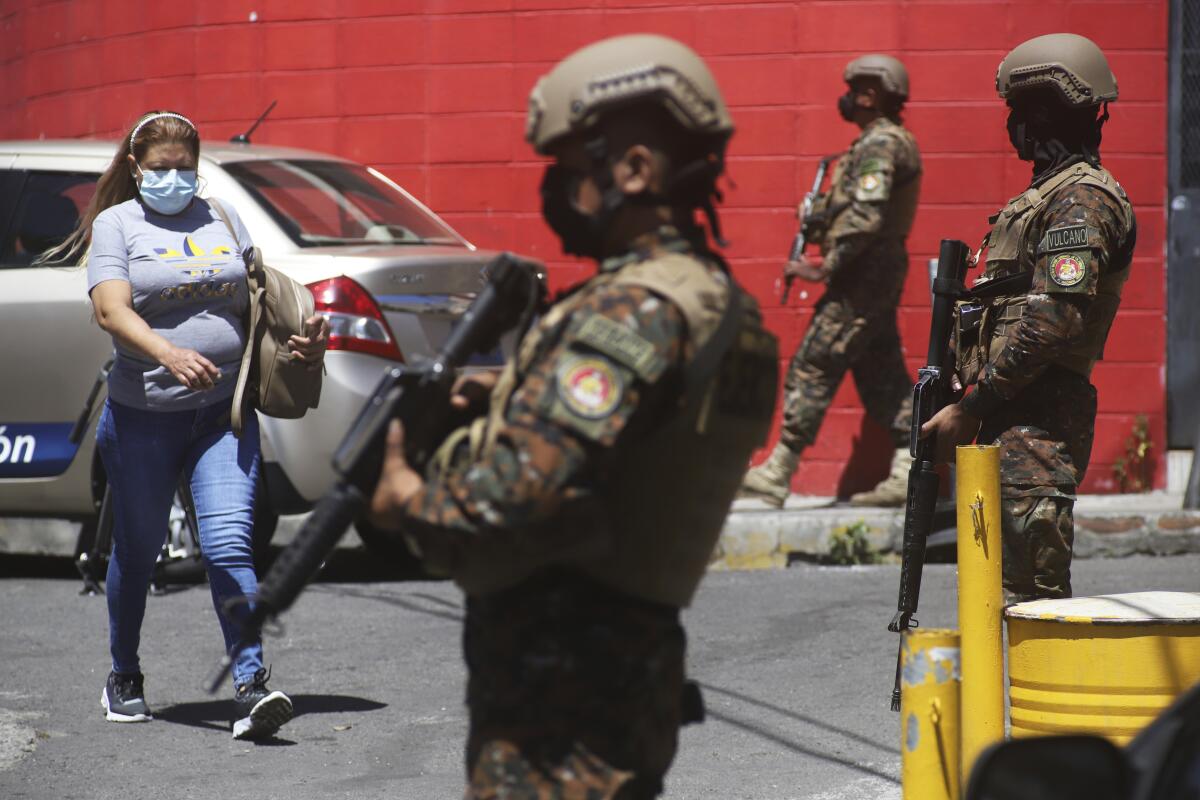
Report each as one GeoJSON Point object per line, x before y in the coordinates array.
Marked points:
{"type": "Point", "coordinates": [123, 700]}
{"type": "Point", "coordinates": [259, 712]}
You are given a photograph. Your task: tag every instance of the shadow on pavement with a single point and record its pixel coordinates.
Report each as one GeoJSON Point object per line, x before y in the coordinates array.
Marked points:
{"type": "Point", "coordinates": [214, 714]}
{"type": "Point", "coordinates": [796, 747]}
{"type": "Point", "coordinates": [21, 565]}
{"type": "Point", "coordinates": [816, 723]}
{"type": "Point", "coordinates": [417, 602]}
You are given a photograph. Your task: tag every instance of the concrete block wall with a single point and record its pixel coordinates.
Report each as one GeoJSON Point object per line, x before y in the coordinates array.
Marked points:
{"type": "Point", "coordinates": [433, 92]}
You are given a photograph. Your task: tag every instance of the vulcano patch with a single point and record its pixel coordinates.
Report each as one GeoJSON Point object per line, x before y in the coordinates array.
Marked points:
{"type": "Point", "coordinates": [622, 345]}
{"type": "Point", "coordinates": [1068, 237]}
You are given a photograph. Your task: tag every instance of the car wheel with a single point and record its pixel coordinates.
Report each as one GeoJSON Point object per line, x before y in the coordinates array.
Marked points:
{"type": "Point", "coordinates": [388, 547]}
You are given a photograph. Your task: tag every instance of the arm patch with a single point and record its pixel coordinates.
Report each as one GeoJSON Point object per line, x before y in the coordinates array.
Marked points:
{"type": "Point", "coordinates": [622, 345]}
{"type": "Point", "coordinates": [1068, 237]}
{"type": "Point", "coordinates": [1070, 270]}
{"type": "Point", "coordinates": [871, 165]}
{"type": "Point", "coordinates": [588, 396]}
{"type": "Point", "coordinates": [871, 187]}
{"type": "Point", "coordinates": [874, 180]}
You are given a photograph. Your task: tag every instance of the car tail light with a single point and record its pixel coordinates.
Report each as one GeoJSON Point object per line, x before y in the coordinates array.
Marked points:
{"type": "Point", "coordinates": [355, 321]}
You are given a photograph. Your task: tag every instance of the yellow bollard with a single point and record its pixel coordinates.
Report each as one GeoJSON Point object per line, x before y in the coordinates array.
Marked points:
{"type": "Point", "coordinates": [929, 688]}
{"type": "Point", "coordinates": [980, 602]}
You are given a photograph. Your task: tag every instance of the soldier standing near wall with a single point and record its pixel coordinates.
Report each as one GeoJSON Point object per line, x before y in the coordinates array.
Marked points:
{"type": "Point", "coordinates": [869, 212]}
{"type": "Point", "coordinates": [580, 512]}
{"type": "Point", "coordinates": [1028, 356]}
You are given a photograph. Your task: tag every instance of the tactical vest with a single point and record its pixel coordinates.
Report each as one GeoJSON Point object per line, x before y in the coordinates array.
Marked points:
{"type": "Point", "coordinates": [901, 208]}
{"type": "Point", "coordinates": [663, 504]}
{"type": "Point", "coordinates": [1010, 251]}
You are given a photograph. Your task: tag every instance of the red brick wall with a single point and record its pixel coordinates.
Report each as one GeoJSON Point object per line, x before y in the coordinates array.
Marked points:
{"type": "Point", "coordinates": [433, 93]}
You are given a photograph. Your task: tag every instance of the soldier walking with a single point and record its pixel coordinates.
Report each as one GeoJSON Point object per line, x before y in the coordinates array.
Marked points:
{"type": "Point", "coordinates": [866, 217]}
{"type": "Point", "coordinates": [579, 513]}
{"type": "Point", "coordinates": [1027, 357]}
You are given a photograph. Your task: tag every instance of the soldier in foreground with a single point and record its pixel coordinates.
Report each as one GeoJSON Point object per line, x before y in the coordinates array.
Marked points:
{"type": "Point", "coordinates": [869, 212]}
{"type": "Point", "coordinates": [1027, 357]}
{"type": "Point", "coordinates": [579, 513]}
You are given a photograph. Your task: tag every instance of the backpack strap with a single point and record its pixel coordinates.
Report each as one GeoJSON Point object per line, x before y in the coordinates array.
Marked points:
{"type": "Point", "coordinates": [254, 261]}
{"type": "Point", "coordinates": [254, 314]}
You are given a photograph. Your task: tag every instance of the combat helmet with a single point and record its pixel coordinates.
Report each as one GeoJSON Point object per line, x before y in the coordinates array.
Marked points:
{"type": "Point", "coordinates": [624, 70]}
{"type": "Point", "coordinates": [1067, 62]}
{"type": "Point", "coordinates": [889, 71]}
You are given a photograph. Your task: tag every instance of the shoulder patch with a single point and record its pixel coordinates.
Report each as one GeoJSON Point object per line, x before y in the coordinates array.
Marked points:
{"type": "Point", "coordinates": [1069, 269]}
{"type": "Point", "coordinates": [870, 165]}
{"type": "Point", "coordinates": [871, 186]}
{"type": "Point", "coordinates": [622, 345]}
{"type": "Point", "coordinates": [589, 387]}
{"type": "Point", "coordinates": [1066, 237]}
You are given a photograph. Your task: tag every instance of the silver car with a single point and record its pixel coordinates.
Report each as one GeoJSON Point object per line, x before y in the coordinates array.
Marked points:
{"type": "Point", "coordinates": [391, 276]}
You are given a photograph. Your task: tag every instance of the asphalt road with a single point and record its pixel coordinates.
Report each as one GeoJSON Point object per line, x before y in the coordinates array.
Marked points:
{"type": "Point", "coordinates": [796, 665]}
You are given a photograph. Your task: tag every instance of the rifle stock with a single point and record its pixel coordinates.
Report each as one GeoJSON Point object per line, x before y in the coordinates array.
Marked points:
{"type": "Point", "coordinates": [416, 395]}
{"type": "Point", "coordinates": [930, 394]}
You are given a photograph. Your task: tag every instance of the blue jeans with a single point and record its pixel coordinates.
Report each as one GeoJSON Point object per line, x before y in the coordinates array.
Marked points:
{"type": "Point", "coordinates": [144, 454]}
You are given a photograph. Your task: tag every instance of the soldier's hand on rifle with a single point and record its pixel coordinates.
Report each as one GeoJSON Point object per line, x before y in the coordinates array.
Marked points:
{"type": "Point", "coordinates": [953, 427]}
{"type": "Point", "coordinates": [808, 268]}
{"type": "Point", "coordinates": [471, 392]}
{"type": "Point", "coordinates": [398, 482]}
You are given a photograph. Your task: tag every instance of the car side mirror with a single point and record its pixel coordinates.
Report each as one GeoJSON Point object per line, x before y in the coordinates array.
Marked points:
{"type": "Point", "coordinates": [1051, 768]}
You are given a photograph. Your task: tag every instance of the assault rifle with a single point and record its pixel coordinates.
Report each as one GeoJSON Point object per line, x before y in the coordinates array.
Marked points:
{"type": "Point", "coordinates": [806, 221]}
{"type": "Point", "coordinates": [417, 395]}
{"type": "Point", "coordinates": [930, 394]}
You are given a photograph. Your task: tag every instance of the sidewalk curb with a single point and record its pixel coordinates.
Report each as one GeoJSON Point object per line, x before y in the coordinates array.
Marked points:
{"type": "Point", "coordinates": [757, 536]}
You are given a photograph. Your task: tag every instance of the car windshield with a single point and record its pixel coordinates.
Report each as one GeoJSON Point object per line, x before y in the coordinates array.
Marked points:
{"type": "Point", "coordinates": [322, 203]}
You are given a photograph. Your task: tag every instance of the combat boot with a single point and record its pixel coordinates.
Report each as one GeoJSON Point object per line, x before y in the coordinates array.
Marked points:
{"type": "Point", "coordinates": [893, 491]}
{"type": "Point", "coordinates": [771, 480]}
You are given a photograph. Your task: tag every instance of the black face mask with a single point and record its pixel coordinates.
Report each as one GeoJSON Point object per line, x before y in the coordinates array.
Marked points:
{"type": "Point", "coordinates": [581, 234]}
{"type": "Point", "coordinates": [1018, 135]}
{"type": "Point", "coordinates": [846, 106]}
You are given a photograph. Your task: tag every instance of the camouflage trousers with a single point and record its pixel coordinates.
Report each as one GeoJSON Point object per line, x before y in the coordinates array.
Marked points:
{"type": "Point", "coordinates": [841, 338]}
{"type": "Point", "coordinates": [575, 692]}
{"type": "Point", "coordinates": [1045, 437]}
{"type": "Point", "coordinates": [1038, 533]}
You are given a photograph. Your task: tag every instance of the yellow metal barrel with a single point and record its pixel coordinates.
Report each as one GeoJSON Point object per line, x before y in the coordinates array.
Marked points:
{"type": "Point", "coordinates": [929, 714]}
{"type": "Point", "coordinates": [1104, 665]}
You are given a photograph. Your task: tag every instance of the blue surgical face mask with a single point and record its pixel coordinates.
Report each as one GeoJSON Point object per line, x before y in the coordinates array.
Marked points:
{"type": "Point", "coordinates": [168, 191]}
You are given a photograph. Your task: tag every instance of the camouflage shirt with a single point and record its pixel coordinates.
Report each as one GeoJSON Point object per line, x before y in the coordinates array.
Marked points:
{"type": "Point", "coordinates": [873, 198]}
{"type": "Point", "coordinates": [571, 406]}
{"type": "Point", "coordinates": [1080, 235]}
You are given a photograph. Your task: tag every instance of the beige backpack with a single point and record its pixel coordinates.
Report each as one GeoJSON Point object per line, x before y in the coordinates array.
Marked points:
{"type": "Point", "coordinates": [269, 379]}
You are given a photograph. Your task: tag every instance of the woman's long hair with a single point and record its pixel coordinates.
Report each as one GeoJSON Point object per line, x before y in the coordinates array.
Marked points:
{"type": "Point", "coordinates": [117, 184]}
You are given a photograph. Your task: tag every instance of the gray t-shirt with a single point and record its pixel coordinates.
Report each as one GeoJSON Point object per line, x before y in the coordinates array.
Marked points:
{"type": "Point", "coordinates": [188, 280]}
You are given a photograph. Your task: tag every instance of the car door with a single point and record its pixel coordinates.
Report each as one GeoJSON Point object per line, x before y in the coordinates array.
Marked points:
{"type": "Point", "coordinates": [52, 348]}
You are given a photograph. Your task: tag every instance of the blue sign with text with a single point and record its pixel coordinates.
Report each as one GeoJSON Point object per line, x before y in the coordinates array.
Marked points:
{"type": "Point", "coordinates": [35, 449]}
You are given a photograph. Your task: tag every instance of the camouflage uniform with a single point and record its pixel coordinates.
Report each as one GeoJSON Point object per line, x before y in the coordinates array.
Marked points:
{"type": "Point", "coordinates": [577, 679]}
{"type": "Point", "coordinates": [1074, 229]}
{"type": "Point", "coordinates": [871, 207]}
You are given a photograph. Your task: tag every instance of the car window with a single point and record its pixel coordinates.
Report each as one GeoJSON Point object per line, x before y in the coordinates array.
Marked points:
{"type": "Point", "coordinates": [39, 210]}
{"type": "Point", "coordinates": [322, 203]}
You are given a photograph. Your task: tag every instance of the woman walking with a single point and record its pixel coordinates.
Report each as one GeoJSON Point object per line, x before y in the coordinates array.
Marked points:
{"type": "Point", "coordinates": [167, 281]}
